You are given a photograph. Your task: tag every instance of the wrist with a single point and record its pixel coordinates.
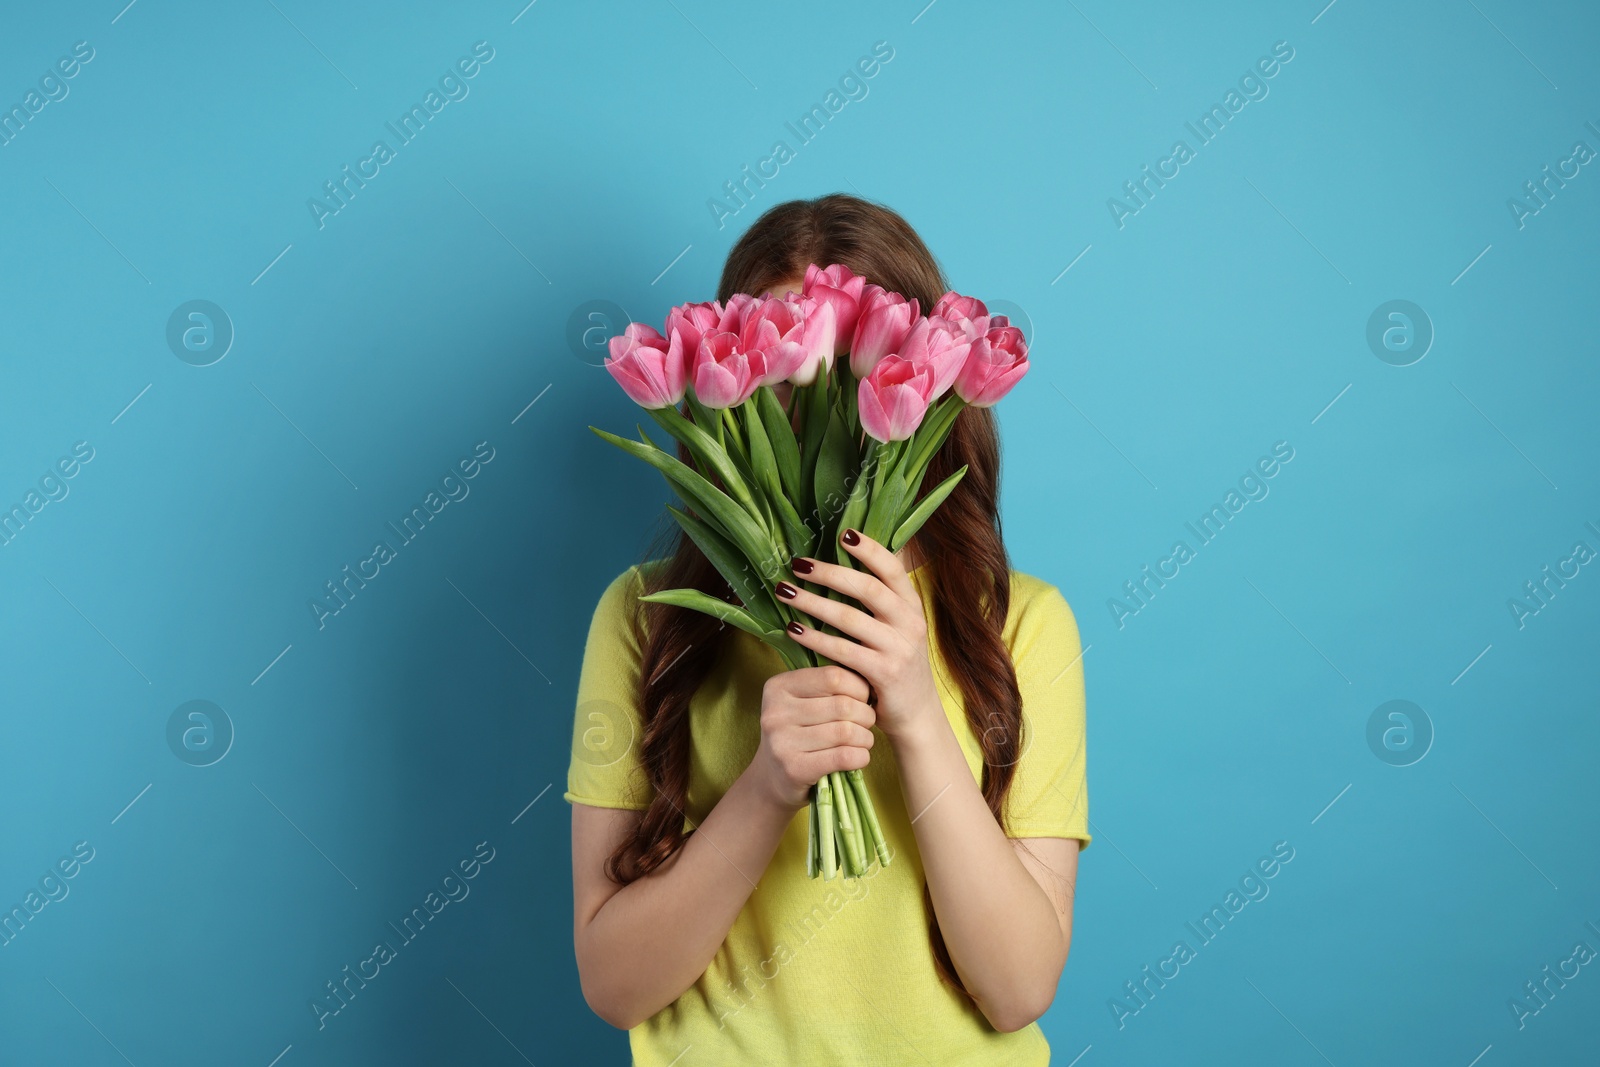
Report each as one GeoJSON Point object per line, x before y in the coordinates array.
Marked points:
{"type": "Point", "coordinates": [764, 794]}
{"type": "Point", "coordinates": [917, 736]}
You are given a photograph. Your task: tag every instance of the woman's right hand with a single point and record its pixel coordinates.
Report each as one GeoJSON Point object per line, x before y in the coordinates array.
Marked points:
{"type": "Point", "coordinates": [814, 721]}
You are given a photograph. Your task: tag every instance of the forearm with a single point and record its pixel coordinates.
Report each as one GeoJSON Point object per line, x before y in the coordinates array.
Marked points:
{"type": "Point", "coordinates": [652, 939]}
{"type": "Point", "coordinates": [1001, 928]}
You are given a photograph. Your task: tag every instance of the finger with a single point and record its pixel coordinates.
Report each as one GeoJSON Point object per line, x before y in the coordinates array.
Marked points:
{"type": "Point", "coordinates": [826, 681]}
{"type": "Point", "coordinates": [813, 765]}
{"type": "Point", "coordinates": [881, 562]}
{"type": "Point", "coordinates": [883, 602]}
{"type": "Point", "coordinates": [836, 613]}
{"type": "Point", "coordinates": [836, 734]}
{"type": "Point", "coordinates": [816, 710]}
{"type": "Point", "coordinates": [852, 654]}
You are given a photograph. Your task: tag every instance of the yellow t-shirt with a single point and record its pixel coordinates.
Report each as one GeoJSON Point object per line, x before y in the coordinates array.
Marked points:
{"type": "Point", "coordinates": [841, 971]}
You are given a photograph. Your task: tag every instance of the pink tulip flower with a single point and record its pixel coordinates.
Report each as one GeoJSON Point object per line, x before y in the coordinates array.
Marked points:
{"type": "Point", "coordinates": [935, 343]}
{"type": "Point", "coordinates": [651, 370]}
{"type": "Point", "coordinates": [893, 398]}
{"type": "Point", "coordinates": [884, 321]}
{"type": "Point", "coordinates": [776, 329]}
{"type": "Point", "coordinates": [733, 313]}
{"type": "Point", "coordinates": [967, 314]}
{"type": "Point", "coordinates": [843, 290]}
{"type": "Point", "coordinates": [998, 360]}
{"type": "Point", "coordinates": [818, 340]}
{"type": "Point", "coordinates": [694, 321]}
{"type": "Point", "coordinates": [725, 375]}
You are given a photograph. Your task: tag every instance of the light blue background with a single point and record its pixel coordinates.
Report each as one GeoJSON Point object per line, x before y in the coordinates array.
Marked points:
{"type": "Point", "coordinates": [373, 353]}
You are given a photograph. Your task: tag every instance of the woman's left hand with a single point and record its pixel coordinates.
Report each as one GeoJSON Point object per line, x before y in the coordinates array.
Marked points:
{"type": "Point", "coordinates": [890, 645]}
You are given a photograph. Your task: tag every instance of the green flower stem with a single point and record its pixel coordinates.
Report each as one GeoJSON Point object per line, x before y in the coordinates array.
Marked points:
{"type": "Point", "coordinates": [888, 492]}
{"type": "Point", "coordinates": [838, 841]}
{"type": "Point", "coordinates": [855, 836]}
{"type": "Point", "coordinates": [850, 828]}
{"type": "Point", "coordinates": [935, 428]}
{"type": "Point", "coordinates": [811, 836]}
{"type": "Point", "coordinates": [702, 416]}
{"type": "Point", "coordinates": [830, 859]}
{"type": "Point", "coordinates": [841, 809]}
{"type": "Point", "coordinates": [849, 390]}
{"type": "Point", "coordinates": [869, 814]}
{"type": "Point", "coordinates": [883, 459]}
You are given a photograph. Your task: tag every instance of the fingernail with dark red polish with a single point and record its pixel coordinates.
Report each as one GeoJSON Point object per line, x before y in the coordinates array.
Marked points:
{"type": "Point", "coordinates": [786, 590]}
{"type": "Point", "coordinates": [795, 628]}
{"type": "Point", "coordinates": [800, 565]}
{"type": "Point", "coordinates": [850, 537]}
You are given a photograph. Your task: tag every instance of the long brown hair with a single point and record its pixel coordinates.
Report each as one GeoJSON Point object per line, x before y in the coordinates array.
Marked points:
{"type": "Point", "coordinates": [970, 602]}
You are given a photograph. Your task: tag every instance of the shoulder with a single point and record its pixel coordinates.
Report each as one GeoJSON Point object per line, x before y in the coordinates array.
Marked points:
{"type": "Point", "coordinates": [624, 586]}
{"type": "Point", "coordinates": [1033, 595]}
{"type": "Point", "coordinates": [619, 595]}
{"type": "Point", "coordinates": [625, 589]}
{"type": "Point", "coordinates": [1039, 612]}
{"type": "Point", "coordinates": [619, 600]}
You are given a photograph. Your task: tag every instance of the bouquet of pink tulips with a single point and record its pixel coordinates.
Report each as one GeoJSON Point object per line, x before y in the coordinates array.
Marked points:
{"type": "Point", "coordinates": [876, 388]}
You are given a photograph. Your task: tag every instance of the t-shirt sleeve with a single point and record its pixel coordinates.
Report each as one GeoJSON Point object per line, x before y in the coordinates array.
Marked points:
{"type": "Point", "coordinates": [1049, 797]}
{"type": "Point", "coordinates": [605, 770]}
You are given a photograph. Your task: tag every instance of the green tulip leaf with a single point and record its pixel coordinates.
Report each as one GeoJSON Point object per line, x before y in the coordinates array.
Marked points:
{"type": "Point", "coordinates": [837, 464]}
{"type": "Point", "coordinates": [925, 508]}
{"type": "Point", "coordinates": [935, 428]}
{"type": "Point", "coordinates": [736, 523]}
{"type": "Point", "coordinates": [741, 574]}
{"type": "Point", "coordinates": [710, 422]}
{"type": "Point", "coordinates": [785, 449]}
{"type": "Point", "coordinates": [813, 425]}
{"type": "Point", "coordinates": [732, 614]}
{"type": "Point", "coordinates": [707, 452]}
{"type": "Point", "coordinates": [763, 463]}
{"type": "Point", "coordinates": [799, 536]}
{"type": "Point", "coordinates": [855, 510]}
